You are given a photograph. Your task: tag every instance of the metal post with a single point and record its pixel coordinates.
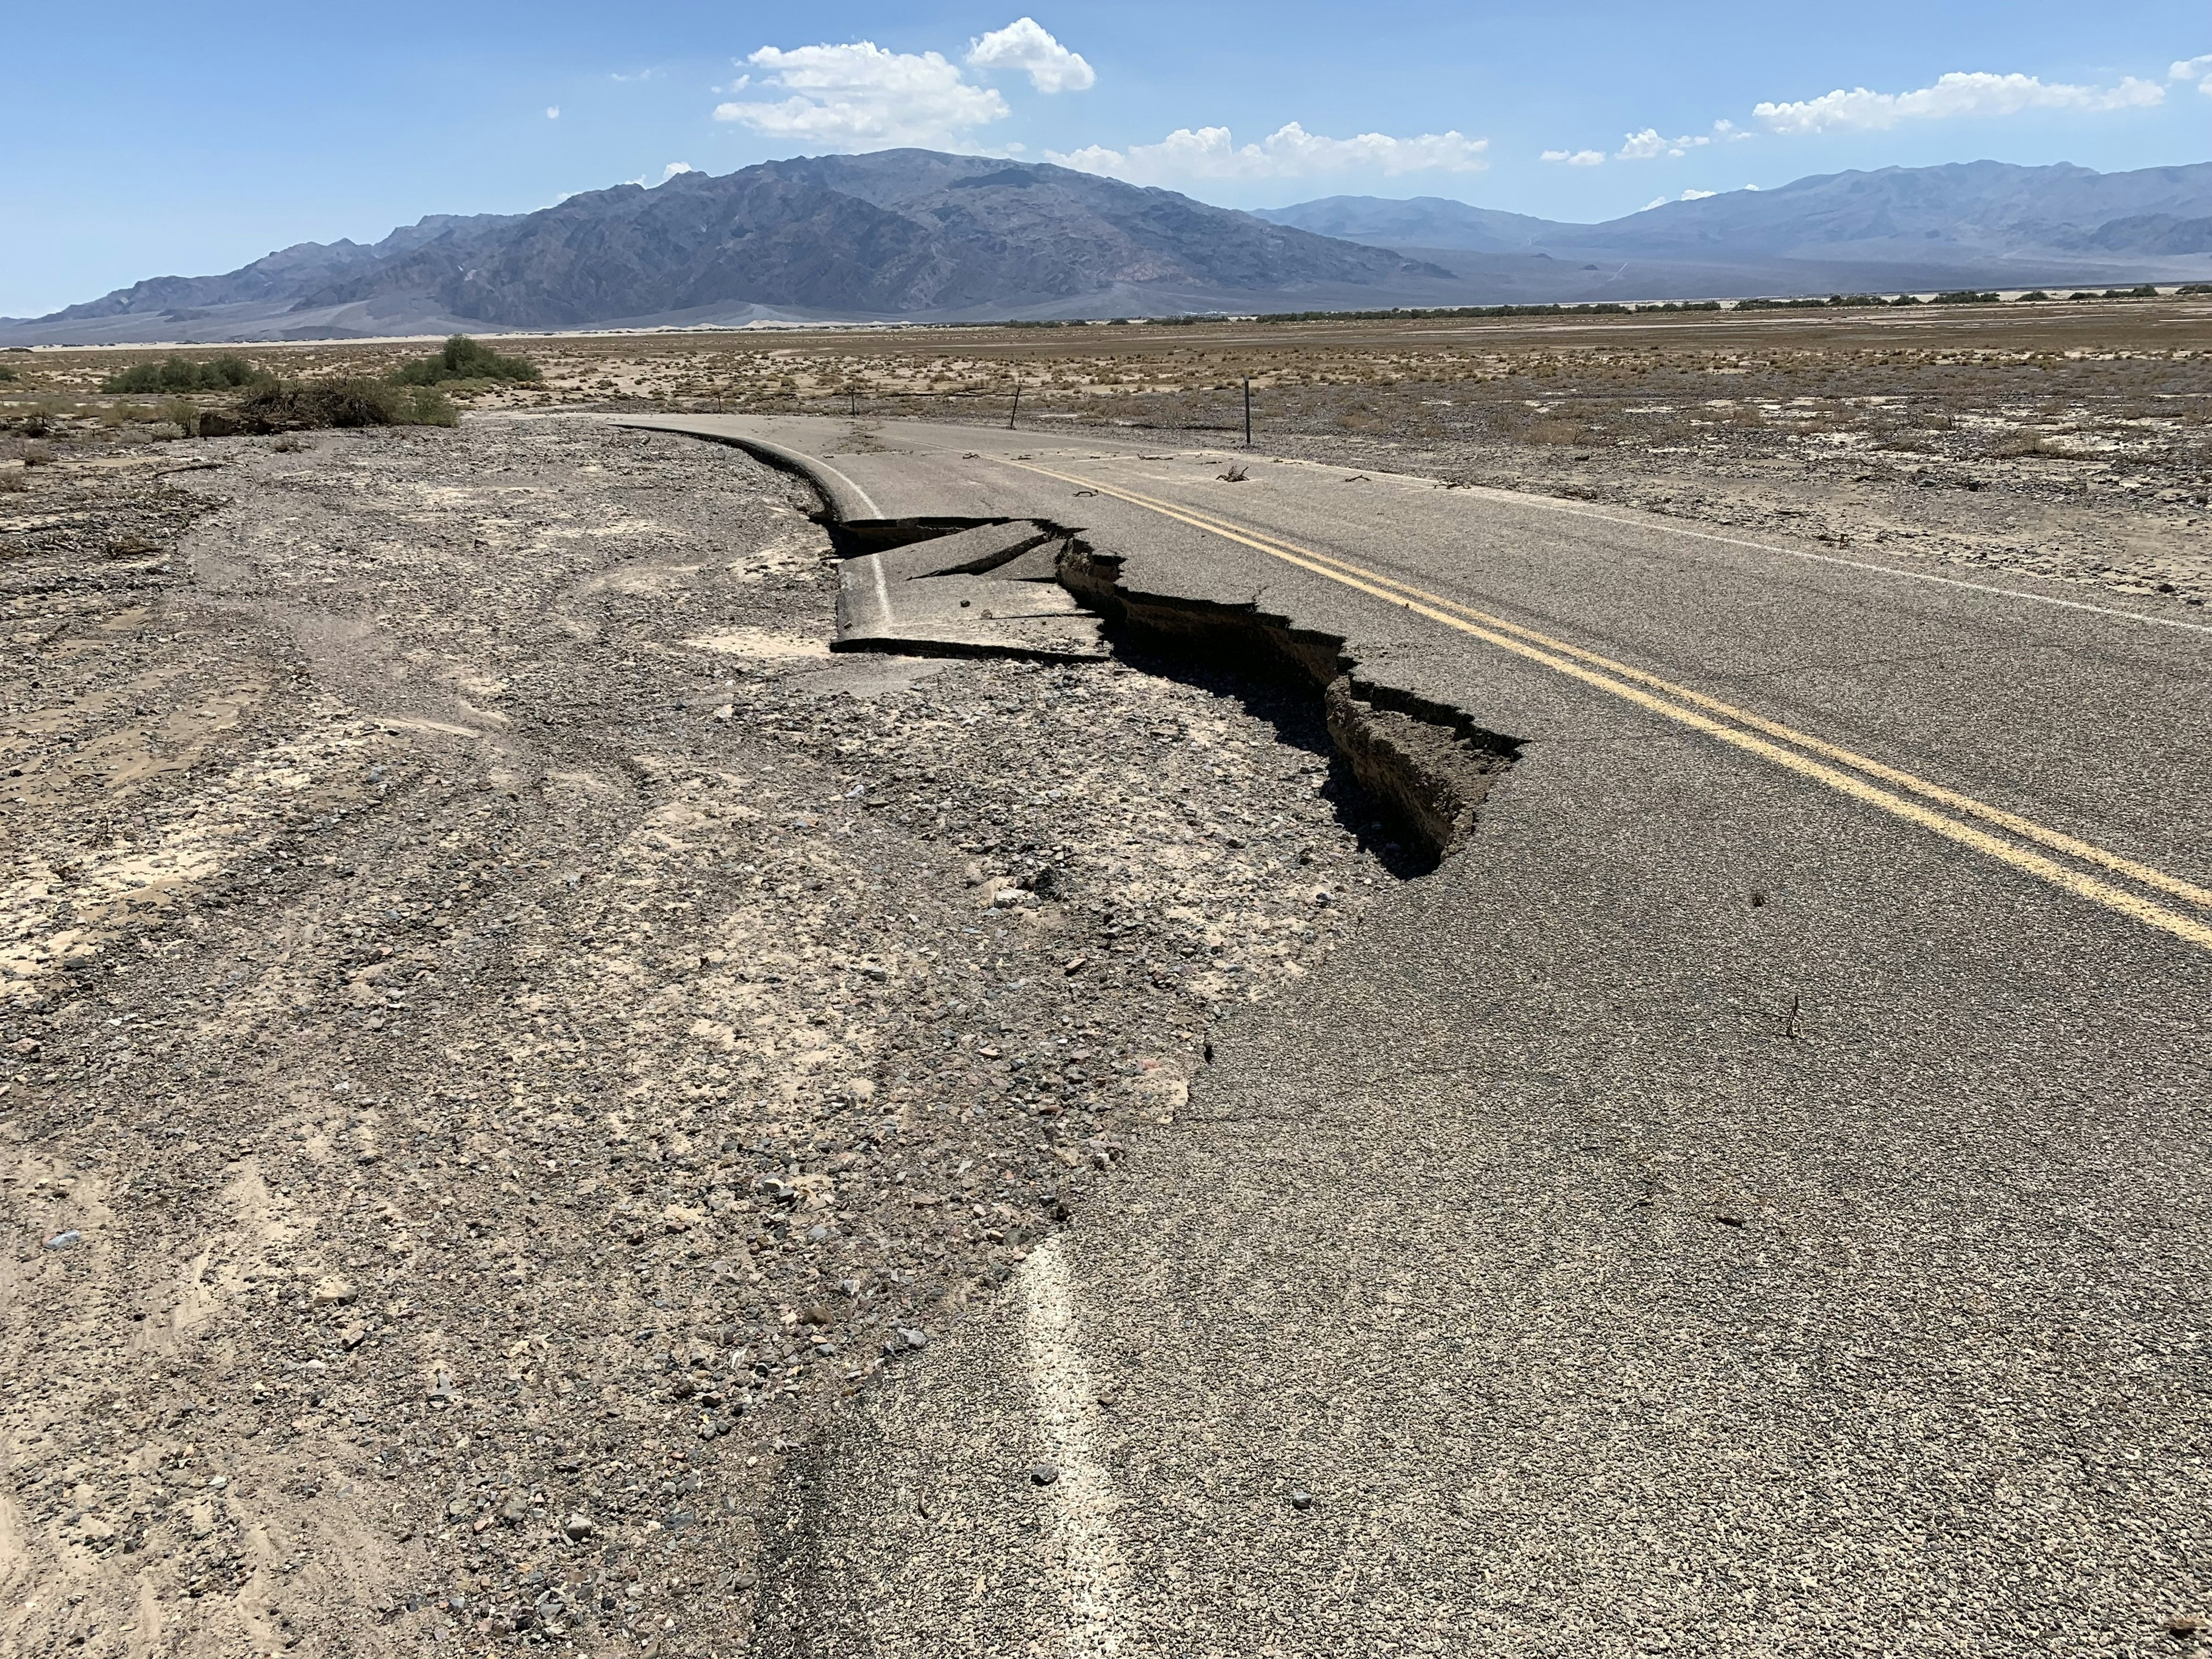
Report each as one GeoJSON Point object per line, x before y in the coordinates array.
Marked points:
{"type": "Point", "coordinates": [1247, 411]}
{"type": "Point", "coordinates": [852, 400]}
{"type": "Point", "coordinates": [1016, 409]}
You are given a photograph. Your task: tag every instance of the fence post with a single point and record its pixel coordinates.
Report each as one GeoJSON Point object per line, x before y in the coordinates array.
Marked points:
{"type": "Point", "coordinates": [1247, 411]}
{"type": "Point", "coordinates": [1016, 409]}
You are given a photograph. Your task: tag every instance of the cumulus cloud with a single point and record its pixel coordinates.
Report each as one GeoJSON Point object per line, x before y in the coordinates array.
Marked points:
{"type": "Point", "coordinates": [675, 167]}
{"type": "Point", "coordinates": [1575, 158]}
{"type": "Point", "coordinates": [1649, 146]}
{"type": "Point", "coordinates": [1687, 196]}
{"type": "Point", "coordinates": [552, 112]}
{"type": "Point", "coordinates": [1289, 152]}
{"type": "Point", "coordinates": [2198, 70]}
{"type": "Point", "coordinates": [1023, 44]}
{"type": "Point", "coordinates": [859, 94]}
{"type": "Point", "coordinates": [1956, 94]}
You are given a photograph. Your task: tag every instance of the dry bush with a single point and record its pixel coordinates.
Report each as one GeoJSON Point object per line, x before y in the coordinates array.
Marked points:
{"type": "Point", "coordinates": [14, 480]}
{"type": "Point", "coordinates": [38, 454]}
{"type": "Point", "coordinates": [292, 405]}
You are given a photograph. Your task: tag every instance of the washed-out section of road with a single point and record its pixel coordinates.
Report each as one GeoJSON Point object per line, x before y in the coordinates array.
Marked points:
{"type": "Point", "coordinates": [1714, 1211]}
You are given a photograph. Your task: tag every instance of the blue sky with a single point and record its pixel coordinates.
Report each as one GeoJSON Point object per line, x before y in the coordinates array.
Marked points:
{"type": "Point", "coordinates": [153, 139]}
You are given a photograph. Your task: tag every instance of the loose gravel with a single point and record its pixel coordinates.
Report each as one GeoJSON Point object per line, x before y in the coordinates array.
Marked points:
{"type": "Point", "coordinates": [500, 1031]}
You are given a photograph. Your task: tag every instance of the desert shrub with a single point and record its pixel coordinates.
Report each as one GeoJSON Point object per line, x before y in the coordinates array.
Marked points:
{"type": "Point", "coordinates": [298, 405]}
{"type": "Point", "coordinates": [14, 479]}
{"type": "Point", "coordinates": [6, 373]}
{"type": "Point", "coordinates": [464, 359]}
{"type": "Point", "coordinates": [174, 373]}
{"type": "Point", "coordinates": [37, 454]}
{"type": "Point", "coordinates": [2194, 288]}
{"type": "Point", "coordinates": [1965, 296]}
{"type": "Point", "coordinates": [2033, 293]}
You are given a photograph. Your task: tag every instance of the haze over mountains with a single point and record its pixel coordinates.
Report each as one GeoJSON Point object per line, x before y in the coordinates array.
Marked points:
{"type": "Point", "coordinates": [918, 235]}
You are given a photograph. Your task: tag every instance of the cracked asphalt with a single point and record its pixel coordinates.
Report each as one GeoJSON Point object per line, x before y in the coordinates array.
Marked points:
{"type": "Point", "coordinates": [1743, 1202]}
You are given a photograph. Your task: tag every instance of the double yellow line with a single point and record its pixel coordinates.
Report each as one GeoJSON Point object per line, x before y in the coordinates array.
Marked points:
{"type": "Point", "coordinates": [1913, 799]}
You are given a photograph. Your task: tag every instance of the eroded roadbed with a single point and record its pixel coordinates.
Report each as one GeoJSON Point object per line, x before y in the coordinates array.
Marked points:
{"type": "Point", "coordinates": [503, 1031]}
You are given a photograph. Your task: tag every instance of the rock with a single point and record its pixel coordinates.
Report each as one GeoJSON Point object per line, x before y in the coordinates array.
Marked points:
{"type": "Point", "coordinates": [577, 1527]}
{"type": "Point", "coordinates": [352, 1335]}
{"type": "Point", "coordinates": [333, 1293]}
{"type": "Point", "coordinates": [218, 423]}
{"type": "Point", "coordinates": [1301, 1500]}
{"type": "Point", "coordinates": [68, 1241]}
{"type": "Point", "coordinates": [1043, 1474]}
{"type": "Point", "coordinates": [914, 1339]}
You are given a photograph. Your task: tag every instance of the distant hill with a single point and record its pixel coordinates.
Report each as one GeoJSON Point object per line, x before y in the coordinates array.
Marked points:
{"type": "Point", "coordinates": [916, 235]}
{"type": "Point", "coordinates": [1430, 221]}
{"type": "Point", "coordinates": [899, 234]}
{"type": "Point", "coordinates": [1986, 221]}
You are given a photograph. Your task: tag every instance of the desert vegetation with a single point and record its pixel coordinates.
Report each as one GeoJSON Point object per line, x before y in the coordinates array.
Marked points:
{"type": "Point", "coordinates": [464, 359]}
{"type": "Point", "coordinates": [177, 372]}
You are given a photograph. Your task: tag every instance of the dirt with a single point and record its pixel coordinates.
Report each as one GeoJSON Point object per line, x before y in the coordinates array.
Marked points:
{"type": "Point", "coordinates": [500, 1030]}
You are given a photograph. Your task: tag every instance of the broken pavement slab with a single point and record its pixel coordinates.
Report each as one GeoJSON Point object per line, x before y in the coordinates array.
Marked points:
{"type": "Point", "coordinates": [959, 595]}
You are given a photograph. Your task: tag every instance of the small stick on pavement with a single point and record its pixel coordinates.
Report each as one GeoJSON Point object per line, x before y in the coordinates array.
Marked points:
{"type": "Point", "coordinates": [1789, 1029]}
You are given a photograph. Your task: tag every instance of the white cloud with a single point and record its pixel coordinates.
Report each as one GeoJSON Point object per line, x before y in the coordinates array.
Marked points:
{"type": "Point", "coordinates": [1576, 158]}
{"type": "Point", "coordinates": [1023, 44]}
{"type": "Point", "coordinates": [2191, 68]}
{"type": "Point", "coordinates": [1687, 196]}
{"type": "Point", "coordinates": [1648, 145]}
{"type": "Point", "coordinates": [1954, 95]}
{"type": "Point", "coordinates": [553, 111]}
{"type": "Point", "coordinates": [642, 74]}
{"type": "Point", "coordinates": [1289, 152]}
{"type": "Point", "coordinates": [666, 174]}
{"type": "Point", "coordinates": [859, 94]}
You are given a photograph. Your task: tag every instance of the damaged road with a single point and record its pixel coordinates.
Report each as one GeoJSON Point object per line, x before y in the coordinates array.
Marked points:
{"type": "Point", "coordinates": [502, 1031]}
{"type": "Point", "coordinates": [1730, 1201]}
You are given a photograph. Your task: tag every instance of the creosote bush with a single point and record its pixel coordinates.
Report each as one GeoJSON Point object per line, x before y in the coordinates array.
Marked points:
{"type": "Point", "coordinates": [464, 359]}
{"type": "Point", "coordinates": [175, 374]}
{"type": "Point", "coordinates": [298, 405]}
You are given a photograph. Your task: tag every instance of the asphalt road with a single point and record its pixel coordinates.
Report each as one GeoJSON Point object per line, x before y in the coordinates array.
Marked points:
{"type": "Point", "coordinates": [1747, 1201]}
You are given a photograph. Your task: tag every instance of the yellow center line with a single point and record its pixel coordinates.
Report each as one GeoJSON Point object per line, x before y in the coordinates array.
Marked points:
{"type": "Point", "coordinates": [1711, 716]}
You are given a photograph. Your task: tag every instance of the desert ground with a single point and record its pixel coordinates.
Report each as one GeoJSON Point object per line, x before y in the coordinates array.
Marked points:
{"type": "Point", "coordinates": [502, 1033]}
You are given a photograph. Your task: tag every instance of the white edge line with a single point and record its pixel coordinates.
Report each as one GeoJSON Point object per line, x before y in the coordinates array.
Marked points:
{"type": "Point", "coordinates": [883, 592]}
{"type": "Point", "coordinates": [1090, 1567]}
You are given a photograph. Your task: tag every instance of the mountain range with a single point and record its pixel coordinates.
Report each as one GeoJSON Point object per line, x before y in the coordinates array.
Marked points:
{"type": "Point", "coordinates": [912, 234]}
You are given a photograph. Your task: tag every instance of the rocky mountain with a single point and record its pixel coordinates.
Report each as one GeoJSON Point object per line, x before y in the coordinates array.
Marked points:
{"type": "Point", "coordinates": [913, 234]}
{"type": "Point", "coordinates": [1984, 222]}
{"type": "Point", "coordinates": [275, 277]}
{"type": "Point", "coordinates": [901, 234]}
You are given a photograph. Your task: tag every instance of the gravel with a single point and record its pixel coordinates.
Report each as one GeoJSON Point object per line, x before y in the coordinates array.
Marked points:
{"type": "Point", "coordinates": [514, 1031]}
